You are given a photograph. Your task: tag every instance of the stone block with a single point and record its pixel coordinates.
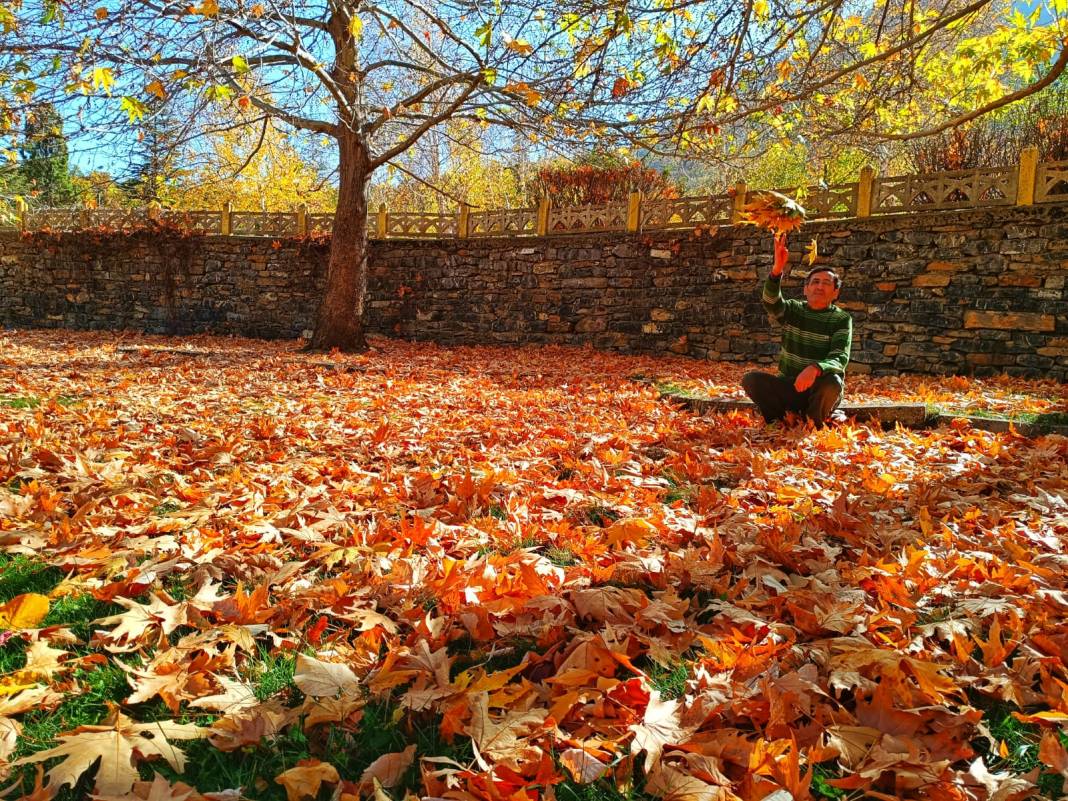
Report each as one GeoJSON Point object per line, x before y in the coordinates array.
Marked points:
{"type": "Point", "coordinates": [931, 280]}
{"type": "Point", "coordinates": [1020, 279]}
{"type": "Point", "coordinates": [1009, 321]}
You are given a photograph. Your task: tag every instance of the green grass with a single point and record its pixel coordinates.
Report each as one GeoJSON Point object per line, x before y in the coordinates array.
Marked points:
{"type": "Point", "coordinates": [601, 790]}
{"type": "Point", "coordinates": [670, 680]}
{"type": "Point", "coordinates": [273, 674]}
{"type": "Point", "coordinates": [1021, 744]}
{"type": "Point", "coordinates": [31, 402]}
{"type": "Point", "coordinates": [1041, 421]}
{"type": "Point", "coordinates": [601, 515]}
{"type": "Point", "coordinates": [252, 768]}
{"type": "Point", "coordinates": [21, 574]}
{"type": "Point", "coordinates": [673, 390]}
{"type": "Point", "coordinates": [100, 685]}
{"type": "Point", "coordinates": [78, 613]}
{"type": "Point", "coordinates": [13, 655]}
{"type": "Point", "coordinates": [20, 403]}
{"type": "Point", "coordinates": [561, 557]}
{"type": "Point", "coordinates": [166, 508]}
{"type": "Point", "coordinates": [820, 774]}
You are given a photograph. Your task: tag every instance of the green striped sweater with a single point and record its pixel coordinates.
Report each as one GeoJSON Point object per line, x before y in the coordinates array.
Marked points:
{"type": "Point", "coordinates": [809, 336]}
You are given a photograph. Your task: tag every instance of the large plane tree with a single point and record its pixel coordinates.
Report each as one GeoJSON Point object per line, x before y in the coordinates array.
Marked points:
{"type": "Point", "coordinates": [656, 76]}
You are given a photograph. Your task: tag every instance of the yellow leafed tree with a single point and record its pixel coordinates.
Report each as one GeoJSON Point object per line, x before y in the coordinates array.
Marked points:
{"type": "Point", "coordinates": [256, 167]}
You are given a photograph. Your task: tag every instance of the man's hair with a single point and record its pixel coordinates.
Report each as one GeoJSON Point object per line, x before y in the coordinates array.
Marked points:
{"type": "Point", "coordinates": [837, 278]}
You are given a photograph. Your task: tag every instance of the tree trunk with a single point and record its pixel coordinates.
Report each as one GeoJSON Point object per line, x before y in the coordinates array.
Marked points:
{"type": "Point", "coordinates": [339, 322]}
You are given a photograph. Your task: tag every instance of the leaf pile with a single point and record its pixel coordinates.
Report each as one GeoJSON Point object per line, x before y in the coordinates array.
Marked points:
{"type": "Point", "coordinates": [774, 211]}
{"type": "Point", "coordinates": [524, 568]}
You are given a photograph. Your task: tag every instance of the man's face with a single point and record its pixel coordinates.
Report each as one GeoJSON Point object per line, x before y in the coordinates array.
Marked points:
{"type": "Point", "coordinates": [820, 291]}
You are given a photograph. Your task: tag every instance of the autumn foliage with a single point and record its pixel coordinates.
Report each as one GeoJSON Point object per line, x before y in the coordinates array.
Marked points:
{"type": "Point", "coordinates": [599, 184]}
{"type": "Point", "coordinates": [547, 575]}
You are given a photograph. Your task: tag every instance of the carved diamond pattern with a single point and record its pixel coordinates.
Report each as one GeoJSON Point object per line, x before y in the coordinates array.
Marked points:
{"type": "Point", "coordinates": [581, 219]}
{"type": "Point", "coordinates": [1051, 182]}
{"type": "Point", "coordinates": [685, 212]}
{"type": "Point", "coordinates": [418, 225]}
{"type": "Point", "coordinates": [503, 222]}
{"type": "Point", "coordinates": [946, 190]}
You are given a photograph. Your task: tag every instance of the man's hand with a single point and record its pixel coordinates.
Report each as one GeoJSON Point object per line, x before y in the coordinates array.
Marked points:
{"type": "Point", "coordinates": [807, 377]}
{"type": "Point", "coordinates": [782, 256]}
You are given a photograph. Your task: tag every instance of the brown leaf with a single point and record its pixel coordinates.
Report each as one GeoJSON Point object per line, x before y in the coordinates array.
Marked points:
{"type": "Point", "coordinates": [583, 766]}
{"type": "Point", "coordinates": [660, 726]}
{"type": "Point", "coordinates": [388, 769]}
{"type": "Point", "coordinates": [118, 747]}
{"type": "Point", "coordinates": [323, 679]}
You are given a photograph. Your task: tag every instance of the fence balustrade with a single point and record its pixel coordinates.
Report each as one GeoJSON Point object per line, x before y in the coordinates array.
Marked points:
{"type": "Point", "coordinates": [1052, 182]}
{"type": "Point", "coordinates": [1026, 183]}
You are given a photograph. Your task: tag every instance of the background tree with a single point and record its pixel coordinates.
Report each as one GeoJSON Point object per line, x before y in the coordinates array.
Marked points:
{"type": "Point", "coordinates": [251, 162]}
{"type": "Point", "coordinates": [1040, 121]}
{"type": "Point", "coordinates": [43, 162]}
{"type": "Point", "coordinates": [598, 178]}
{"type": "Point", "coordinates": [457, 162]}
{"type": "Point", "coordinates": [675, 77]}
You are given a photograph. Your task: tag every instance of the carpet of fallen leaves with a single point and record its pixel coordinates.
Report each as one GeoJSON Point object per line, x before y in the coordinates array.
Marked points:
{"type": "Point", "coordinates": [512, 548]}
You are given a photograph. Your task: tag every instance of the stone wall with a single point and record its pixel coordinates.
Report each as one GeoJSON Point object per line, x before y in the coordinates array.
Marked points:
{"type": "Point", "coordinates": [981, 290]}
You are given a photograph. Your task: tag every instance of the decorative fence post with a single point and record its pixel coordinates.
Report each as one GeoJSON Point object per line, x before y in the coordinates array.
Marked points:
{"type": "Point", "coordinates": [83, 217]}
{"type": "Point", "coordinates": [463, 227]}
{"type": "Point", "coordinates": [24, 211]}
{"type": "Point", "coordinates": [225, 227]}
{"type": "Point", "coordinates": [634, 211]}
{"type": "Point", "coordinates": [544, 210]}
{"type": "Point", "coordinates": [1027, 177]}
{"type": "Point", "coordinates": [152, 211]}
{"type": "Point", "coordinates": [865, 191]}
{"type": "Point", "coordinates": [302, 219]}
{"type": "Point", "coordinates": [382, 222]}
{"type": "Point", "coordinates": [738, 208]}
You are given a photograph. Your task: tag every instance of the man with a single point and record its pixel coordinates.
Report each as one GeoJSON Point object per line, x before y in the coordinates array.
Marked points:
{"type": "Point", "coordinates": [815, 346]}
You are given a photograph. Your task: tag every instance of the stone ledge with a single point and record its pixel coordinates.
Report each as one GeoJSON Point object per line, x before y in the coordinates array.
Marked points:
{"type": "Point", "coordinates": [1001, 425]}
{"type": "Point", "coordinates": [908, 414]}
{"type": "Point", "coordinates": [911, 415]}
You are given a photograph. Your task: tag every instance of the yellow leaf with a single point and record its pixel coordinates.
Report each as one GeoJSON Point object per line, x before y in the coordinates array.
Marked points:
{"type": "Point", "coordinates": [103, 79]}
{"type": "Point", "coordinates": [23, 611]}
{"type": "Point", "coordinates": [11, 689]}
{"type": "Point", "coordinates": [356, 26]}
{"type": "Point", "coordinates": [812, 252]}
{"type": "Point", "coordinates": [303, 781]}
{"type": "Point", "coordinates": [630, 530]}
{"type": "Point", "coordinates": [209, 8]}
{"type": "Point", "coordinates": [156, 88]}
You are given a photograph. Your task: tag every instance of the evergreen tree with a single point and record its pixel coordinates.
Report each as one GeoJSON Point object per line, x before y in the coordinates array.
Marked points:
{"type": "Point", "coordinates": [43, 165]}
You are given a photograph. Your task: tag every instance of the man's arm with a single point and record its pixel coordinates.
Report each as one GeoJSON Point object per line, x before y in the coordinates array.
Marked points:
{"type": "Point", "coordinates": [771, 296]}
{"type": "Point", "coordinates": [838, 357]}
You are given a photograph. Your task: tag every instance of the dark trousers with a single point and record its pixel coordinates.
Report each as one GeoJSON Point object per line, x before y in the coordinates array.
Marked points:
{"type": "Point", "coordinates": [775, 396]}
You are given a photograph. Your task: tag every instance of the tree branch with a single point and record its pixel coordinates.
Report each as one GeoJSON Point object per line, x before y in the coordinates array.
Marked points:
{"type": "Point", "coordinates": [1055, 71]}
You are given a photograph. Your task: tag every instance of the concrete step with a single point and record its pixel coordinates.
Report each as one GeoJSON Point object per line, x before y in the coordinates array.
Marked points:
{"type": "Point", "coordinates": [910, 415]}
